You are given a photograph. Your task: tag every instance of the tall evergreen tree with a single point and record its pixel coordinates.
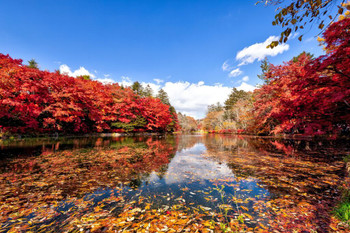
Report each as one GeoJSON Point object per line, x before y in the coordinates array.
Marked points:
{"type": "Point", "coordinates": [163, 96]}
{"type": "Point", "coordinates": [148, 92]}
{"type": "Point", "coordinates": [265, 67]}
{"type": "Point", "coordinates": [33, 64]}
{"type": "Point", "coordinates": [215, 108]}
{"type": "Point", "coordinates": [137, 88]}
{"type": "Point", "coordinates": [174, 125]}
{"type": "Point", "coordinates": [234, 97]}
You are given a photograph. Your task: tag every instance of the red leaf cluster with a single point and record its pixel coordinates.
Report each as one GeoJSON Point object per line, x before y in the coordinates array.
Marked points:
{"type": "Point", "coordinates": [309, 96]}
{"type": "Point", "coordinates": [35, 101]}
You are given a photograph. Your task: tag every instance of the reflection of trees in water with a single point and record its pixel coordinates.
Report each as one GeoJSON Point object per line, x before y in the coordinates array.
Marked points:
{"type": "Point", "coordinates": [162, 171]}
{"type": "Point", "coordinates": [267, 158]}
{"type": "Point", "coordinates": [36, 146]}
{"type": "Point", "coordinates": [318, 150]}
{"type": "Point", "coordinates": [312, 150]}
{"type": "Point", "coordinates": [135, 183]}
{"type": "Point", "coordinates": [188, 141]}
{"type": "Point", "coordinates": [32, 182]}
{"type": "Point", "coordinates": [304, 176]}
{"type": "Point", "coordinates": [221, 142]}
{"type": "Point", "coordinates": [156, 144]}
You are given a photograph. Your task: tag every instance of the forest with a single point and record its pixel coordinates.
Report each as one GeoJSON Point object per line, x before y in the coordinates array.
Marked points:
{"type": "Point", "coordinates": [42, 102]}
{"type": "Point", "coordinates": [303, 96]}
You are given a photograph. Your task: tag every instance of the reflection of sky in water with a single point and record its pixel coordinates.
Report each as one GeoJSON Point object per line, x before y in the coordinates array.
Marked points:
{"type": "Point", "coordinates": [190, 165]}
{"type": "Point", "coordinates": [198, 148]}
{"type": "Point", "coordinates": [192, 177]}
{"type": "Point", "coordinates": [190, 168]}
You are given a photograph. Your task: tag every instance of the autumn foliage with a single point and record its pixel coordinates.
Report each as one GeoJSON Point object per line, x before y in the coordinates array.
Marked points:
{"type": "Point", "coordinates": [35, 101]}
{"type": "Point", "coordinates": [304, 96]}
{"type": "Point", "coordinates": [187, 123]}
{"type": "Point", "coordinates": [309, 96]}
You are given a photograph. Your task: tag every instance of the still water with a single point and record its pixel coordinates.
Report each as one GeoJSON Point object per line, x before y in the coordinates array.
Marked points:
{"type": "Point", "coordinates": [185, 183]}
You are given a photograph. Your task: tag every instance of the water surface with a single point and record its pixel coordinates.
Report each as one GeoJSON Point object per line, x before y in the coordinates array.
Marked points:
{"type": "Point", "coordinates": [183, 183]}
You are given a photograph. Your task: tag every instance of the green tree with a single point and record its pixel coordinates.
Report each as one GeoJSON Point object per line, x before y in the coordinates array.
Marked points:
{"type": "Point", "coordinates": [174, 120]}
{"type": "Point", "coordinates": [137, 88]}
{"type": "Point", "coordinates": [215, 108]}
{"type": "Point", "coordinates": [234, 97]}
{"type": "Point", "coordinates": [33, 64]}
{"type": "Point", "coordinates": [148, 92]}
{"type": "Point", "coordinates": [296, 59]}
{"type": "Point", "coordinates": [85, 77]}
{"type": "Point", "coordinates": [265, 67]}
{"type": "Point", "coordinates": [163, 96]}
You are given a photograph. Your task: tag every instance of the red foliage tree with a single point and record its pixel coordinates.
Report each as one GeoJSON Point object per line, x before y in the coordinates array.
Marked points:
{"type": "Point", "coordinates": [156, 113]}
{"type": "Point", "coordinates": [274, 107]}
{"type": "Point", "coordinates": [34, 101]}
{"type": "Point", "coordinates": [309, 96]}
{"type": "Point", "coordinates": [22, 95]}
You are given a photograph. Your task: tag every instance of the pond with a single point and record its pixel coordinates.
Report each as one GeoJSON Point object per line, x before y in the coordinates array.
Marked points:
{"type": "Point", "coordinates": [183, 183]}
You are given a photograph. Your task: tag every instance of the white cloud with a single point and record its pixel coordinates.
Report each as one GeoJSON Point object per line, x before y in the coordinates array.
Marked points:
{"type": "Point", "coordinates": [126, 81]}
{"type": "Point", "coordinates": [235, 73]}
{"type": "Point", "coordinates": [225, 66]}
{"type": "Point", "coordinates": [310, 39]}
{"type": "Point", "coordinates": [192, 99]}
{"type": "Point", "coordinates": [155, 87]}
{"type": "Point", "coordinates": [246, 87]}
{"type": "Point", "coordinates": [158, 80]}
{"type": "Point", "coordinates": [259, 51]}
{"type": "Point", "coordinates": [294, 35]}
{"type": "Point", "coordinates": [245, 79]}
{"type": "Point", "coordinates": [64, 69]}
{"type": "Point", "coordinates": [105, 80]}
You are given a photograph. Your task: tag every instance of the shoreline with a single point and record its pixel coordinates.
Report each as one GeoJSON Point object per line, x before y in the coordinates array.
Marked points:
{"type": "Point", "coordinates": [14, 138]}
{"type": "Point", "coordinates": [7, 138]}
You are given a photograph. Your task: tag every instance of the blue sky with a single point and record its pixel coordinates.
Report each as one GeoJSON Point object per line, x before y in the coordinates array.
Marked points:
{"type": "Point", "coordinates": [189, 48]}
